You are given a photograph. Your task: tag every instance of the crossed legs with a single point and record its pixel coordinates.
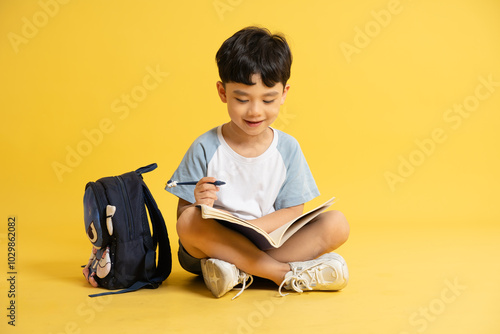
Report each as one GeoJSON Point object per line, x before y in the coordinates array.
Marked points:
{"type": "Point", "coordinates": [204, 238]}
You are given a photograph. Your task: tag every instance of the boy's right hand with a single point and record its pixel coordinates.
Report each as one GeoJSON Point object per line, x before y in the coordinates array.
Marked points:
{"type": "Point", "coordinates": [206, 193]}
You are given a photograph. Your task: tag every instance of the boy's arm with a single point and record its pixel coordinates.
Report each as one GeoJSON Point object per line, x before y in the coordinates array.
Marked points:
{"type": "Point", "coordinates": [278, 218]}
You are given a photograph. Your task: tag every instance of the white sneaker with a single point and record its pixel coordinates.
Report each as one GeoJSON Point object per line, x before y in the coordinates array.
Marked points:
{"type": "Point", "coordinates": [221, 277]}
{"type": "Point", "coordinates": [328, 272]}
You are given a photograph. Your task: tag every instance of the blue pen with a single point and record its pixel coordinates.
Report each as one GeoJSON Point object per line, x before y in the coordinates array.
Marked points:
{"type": "Point", "coordinates": [171, 184]}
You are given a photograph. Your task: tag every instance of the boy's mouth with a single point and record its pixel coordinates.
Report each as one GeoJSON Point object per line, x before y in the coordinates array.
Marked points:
{"type": "Point", "coordinates": [253, 124]}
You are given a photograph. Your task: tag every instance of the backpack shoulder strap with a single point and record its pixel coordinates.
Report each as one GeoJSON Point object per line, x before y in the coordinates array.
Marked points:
{"type": "Point", "coordinates": [160, 235]}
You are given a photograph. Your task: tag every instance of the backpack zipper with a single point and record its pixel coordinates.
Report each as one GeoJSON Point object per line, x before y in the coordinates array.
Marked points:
{"type": "Point", "coordinates": [126, 201]}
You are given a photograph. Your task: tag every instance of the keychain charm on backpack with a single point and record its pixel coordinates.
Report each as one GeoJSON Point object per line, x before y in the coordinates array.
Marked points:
{"type": "Point", "coordinates": [100, 261]}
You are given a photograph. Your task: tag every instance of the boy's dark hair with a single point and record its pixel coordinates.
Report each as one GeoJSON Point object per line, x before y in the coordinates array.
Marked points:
{"type": "Point", "coordinates": [254, 50]}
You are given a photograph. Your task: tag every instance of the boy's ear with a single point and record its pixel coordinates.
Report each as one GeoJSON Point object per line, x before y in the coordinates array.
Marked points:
{"type": "Point", "coordinates": [285, 92]}
{"type": "Point", "coordinates": [222, 91]}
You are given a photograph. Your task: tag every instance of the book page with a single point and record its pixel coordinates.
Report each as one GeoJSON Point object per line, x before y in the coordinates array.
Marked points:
{"type": "Point", "coordinates": [281, 234]}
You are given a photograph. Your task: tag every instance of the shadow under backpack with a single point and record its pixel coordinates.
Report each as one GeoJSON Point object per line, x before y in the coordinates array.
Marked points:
{"type": "Point", "coordinates": [123, 255]}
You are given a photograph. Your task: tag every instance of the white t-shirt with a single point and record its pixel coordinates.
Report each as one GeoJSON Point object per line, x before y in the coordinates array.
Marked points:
{"type": "Point", "coordinates": [255, 187]}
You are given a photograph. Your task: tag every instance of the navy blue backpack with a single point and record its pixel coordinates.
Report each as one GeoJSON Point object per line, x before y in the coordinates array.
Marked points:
{"type": "Point", "coordinates": [117, 211]}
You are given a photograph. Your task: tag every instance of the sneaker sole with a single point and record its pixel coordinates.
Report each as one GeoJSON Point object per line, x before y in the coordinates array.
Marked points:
{"type": "Point", "coordinates": [214, 278]}
{"type": "Point", "coordinates": [344, 272]}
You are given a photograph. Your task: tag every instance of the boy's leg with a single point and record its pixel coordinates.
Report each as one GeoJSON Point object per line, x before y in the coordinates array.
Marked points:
{"type": "Point", "coordinates": [207, 238]}
{"type": "Point", "coordinates": [325, 233]}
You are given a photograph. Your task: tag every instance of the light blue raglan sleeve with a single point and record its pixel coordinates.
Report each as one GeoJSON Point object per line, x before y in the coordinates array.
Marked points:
{"type": "Point", "coordinates": [194, 164]}
{"type": "Point", "coordinates": [299, 186]}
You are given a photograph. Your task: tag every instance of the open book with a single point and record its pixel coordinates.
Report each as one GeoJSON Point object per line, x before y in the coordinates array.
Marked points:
{"type": "Point", "coordinates": [258, 236]}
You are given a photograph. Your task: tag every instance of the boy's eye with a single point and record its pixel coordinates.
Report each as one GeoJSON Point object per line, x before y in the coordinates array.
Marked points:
{"type": "Point", "coordinates": [245, 101]}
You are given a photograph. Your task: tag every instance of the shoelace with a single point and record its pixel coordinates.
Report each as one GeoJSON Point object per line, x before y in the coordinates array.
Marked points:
{"type": "Point", "coordinates": [296, 278]}
{"type": "Point", "coordinates": [244, 276]}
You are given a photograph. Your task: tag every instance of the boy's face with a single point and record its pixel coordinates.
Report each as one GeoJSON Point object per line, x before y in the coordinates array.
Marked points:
{"type": "Point", "coordinates": [252, 108]}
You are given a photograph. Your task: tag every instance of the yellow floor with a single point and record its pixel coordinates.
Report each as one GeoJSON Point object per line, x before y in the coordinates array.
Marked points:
{"type": "Point", "coordinates": [402, 281]}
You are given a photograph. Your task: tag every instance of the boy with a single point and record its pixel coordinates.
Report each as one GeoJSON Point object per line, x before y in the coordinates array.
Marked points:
{"type": "Point", "coordinates": [267, 181]}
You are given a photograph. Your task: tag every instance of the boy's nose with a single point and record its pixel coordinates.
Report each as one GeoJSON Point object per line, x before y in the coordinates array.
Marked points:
{"type": "Point", "coordinates": [254, 109]}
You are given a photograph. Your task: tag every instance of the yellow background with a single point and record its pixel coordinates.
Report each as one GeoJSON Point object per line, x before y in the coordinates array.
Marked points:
{"type": "Point", "coordinates": [65, 68]}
